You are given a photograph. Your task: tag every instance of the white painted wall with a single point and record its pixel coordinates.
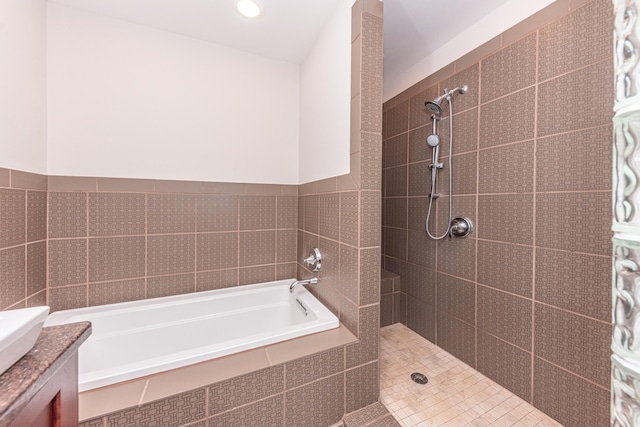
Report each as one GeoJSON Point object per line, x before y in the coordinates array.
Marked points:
{"type": "Point", "coordinates": [126, 100]}
{"type": "Point", "coordinates": [23, 115]}
{"type": "Point", "coordinates": [492, 25]}
{"type": "Point", "coordinates": [325, 96]}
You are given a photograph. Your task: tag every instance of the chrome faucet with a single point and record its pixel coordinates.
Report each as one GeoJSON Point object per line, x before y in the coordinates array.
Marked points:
{"type": "Point", "coordinates": [311, 281]}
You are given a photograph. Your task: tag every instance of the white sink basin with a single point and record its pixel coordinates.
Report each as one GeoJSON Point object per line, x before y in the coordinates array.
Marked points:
{"type": "Point", "coordinates": [19, 330]}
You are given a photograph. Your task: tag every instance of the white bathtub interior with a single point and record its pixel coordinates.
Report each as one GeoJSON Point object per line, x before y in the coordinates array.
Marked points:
{"type": "Point", "coordinates": [139, 338]}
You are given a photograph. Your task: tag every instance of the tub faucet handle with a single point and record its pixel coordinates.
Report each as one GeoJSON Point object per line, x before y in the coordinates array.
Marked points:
{"type": "Point", "coordinates": [314, 260]}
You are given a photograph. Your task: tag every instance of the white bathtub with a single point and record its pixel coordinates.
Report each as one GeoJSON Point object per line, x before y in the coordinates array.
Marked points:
{"type": "Point", "coordinates": [140, 338]}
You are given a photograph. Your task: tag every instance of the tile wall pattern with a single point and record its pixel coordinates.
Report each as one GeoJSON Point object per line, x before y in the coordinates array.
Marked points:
{"type": "Point", "coordinates": [526, 300]}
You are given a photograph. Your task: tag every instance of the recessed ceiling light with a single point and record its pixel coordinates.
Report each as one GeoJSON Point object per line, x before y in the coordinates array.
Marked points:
{"type": "Point", "coordinates": [249, 8]}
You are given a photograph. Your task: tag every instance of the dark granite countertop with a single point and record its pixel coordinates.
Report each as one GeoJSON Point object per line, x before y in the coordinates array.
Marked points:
{"type": "Point", "coordinates": [24, 379]}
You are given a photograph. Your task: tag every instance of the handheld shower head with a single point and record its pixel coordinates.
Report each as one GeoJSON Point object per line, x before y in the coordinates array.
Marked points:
{"type": "Point", "coordinates": [435, 106]}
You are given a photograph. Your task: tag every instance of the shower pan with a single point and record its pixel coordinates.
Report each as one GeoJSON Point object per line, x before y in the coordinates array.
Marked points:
{"type": "Point", "coordinates": [459, 226]}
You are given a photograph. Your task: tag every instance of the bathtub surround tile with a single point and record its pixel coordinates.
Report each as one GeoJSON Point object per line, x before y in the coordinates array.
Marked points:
{"type": "Point", "coordinates": [36, 267]}
{"type": "Point", "coordinates": [186, 187]}
{"type": "Point", "coordinates": [171, 254]}
{"type": "Point", "coordinates": [268, 412]}
{"type": "Point", "coordinates": [257, 212]}
{"type": "Point", "coordinates": [369, 276]}
{"type": "Point", "coordinates": [210, 280]}
{"type": "Point", "coordinates": [286, 271]}
{"type": "Point", "coordinates": [259, 274]}
{"type": "Point", "coordinates": [116, 292]}
{"type": "Point", "coordinates": [349, 218]}
{"type": "Point", "coordinates": [67, 214]}
{"type": "Point", "coordinates": [581, 277]}
{"type": "Point", "coordinates": [505, 364]}
{"type": "Point", "coordinates": [169, 412]}
{"type": "Point", "coordinates": [72, 183]}
{"type": "Point", "coordinates": [116, 214]}
{"type": "Point", "coordinates": [255, 386]}
{"type": "Point", "coordinates": [573, 342]}
{"type": "Point", "coordinates": [5, 177]}
{"type": "Point", "coordinates": [348, 314]}
{"type": "Point", "coordinates": [164, 286]}
{"type": "Point", "coordinates": [126, 185]}
{"type": "Point", "coordinates": [287, 212]}
{"type": "Point", "coordinates": [171, 213]}
{"type": "Point", "coordinates": [36, 215]}
{"type": "Point", "coordinates": [217, 251]}
{"type": "Point", "coordinates": [311, 213]}
{"type": "Point", "coordinates": [517, 121]}
{"type": "Point", "coordinates": [569, 399]}
{"type": "Point", "coordinates": [330, 272]}
{"type": "Point", "coordinates": [12, 271]}
{"type": "Point", "coordinates": [109, 399]}
{"type": "Point", "coordinates": [67, 262]}
{"type": "Point", "coordinates": [257, 247]}
{"type": "Point", "coordinates": [329, 205]}
{"type": "Point", "coordinates": [217, 212]}
{"type": "Point", "coordinates": [67, 297]}
{"type": "Point", "coordinates": [223, 188]}
{"type": "Point", "coordinates": [366, 350]}
{"type": "Point", "coordinates": [114, 258]}
{"type": "Point", "coordinates": [318, 404]}
{"type": "Point", "coordinates": [285, 246]}
{"type": "Point", "coordinates": [12, 217]}
{"type": "Point", "coordinates": [362, 387]}
{"type": "Point", "coordinates": [319, 365]}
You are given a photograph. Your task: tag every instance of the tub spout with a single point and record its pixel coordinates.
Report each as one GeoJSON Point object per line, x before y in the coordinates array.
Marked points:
{"type": "Point", "coordinates": [311, 281]}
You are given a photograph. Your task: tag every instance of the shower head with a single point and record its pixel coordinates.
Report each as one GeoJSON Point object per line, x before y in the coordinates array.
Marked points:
{"type": "Point", "coordinates": [435, 106]}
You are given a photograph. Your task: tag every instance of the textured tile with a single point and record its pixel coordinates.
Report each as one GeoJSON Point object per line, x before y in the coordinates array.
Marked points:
{"type": "Point", "coordinates": [371, 103]}
{"type": "Point", "coordinates": [420, 282]}
{"type": "Point", "coordinates": [395, 212]}
{"type": "Point", "coordinates": [510, 69]}
{"type": "Point", "coordinates": [506, 267]}
{"type": "Point", "coordinates": [457, 338]}
{"type": "Point", "coordinates": [507, 365]}
{"type": "Point", "coordinates": [573, 342]}
{"type": "Point", "coordinates": [211, 280]}
{"type": "Point", "coordinates": [421, 317]}
{"type": "Point", "coordinates": [451, 251]}
{"type": "Point", "coordinates": [348, 312]}
{"type": "Point", "coordinates": [287, 211]}
{"type": "Point", "coordinates": [12, 276]}
{"type": "Point", "coordinates": [67, 262]}
{"type": "Point", "coordinates": [585, 279]}
{"type": "Point", "coordinates": [460, 206]}
{"type": "Point", "coordinates": [470, 77]}
{"type": "Point", "coordinates": [395, 181]}
{"type": "Point", "coordinates": [506, 316]}
{"type": "Point", "coordinates": [68, 297]}
{"type": "Point", "coordinates": [115, 292]}
{"type": "Point", "coordinates": [349, 218]}
{"type": "Point", "coordinates": [36, 216]}
{"type": "Point", "coordinates": [395, 242]}
{"type": "Point", "coordinates": [362, 386]}
{"type": "Point", "coordinates": [572, 401]}
{"type": "Point", "coordinates": [217, 251]}
{"type": "Point", "coordinates": [417, 212]}
{"type": "Point", "coordinates": [330, 272]}
{"type": "Point", "coordinates": [171, 213]}
{"type": "Point", "coordinates": [517, 119]}
{"type": "Point", "coordinates": [418, 113]}
{"type": "Point", "coordinates": [370, 162]}
{"type": "Point", "coordinates": [366, 415]}
{"type": "Point", "coordinates": [517, 207]}
{"type": "Point", "coordinates": [457, 298]}
{"type": "Point", "coordinates": [399, 308]}
{"type": "Point", "coordinates": [349, 283]}
{"type": "Point", "coordinates": [507, 169]}
{"type": "Point", "coordinates": [36, 267]}
{"type": "Point", "coordinates": [369, 276]}
{"type": "Point", "coordinates": [366, 350]}
{"type": "Point", "coordinates": [595, 217]}
{"type": "Point", "coordinates": [286, 271]}
{"type": "Point", "coordinates": [395, 151]}
{"type": "Point", "coordinates": [267, 413]}
{"type": "Point", "coordinates": [71, 183]}
{"type": "Point", "coordinates": [386, 310]}
{"type": "Point", "coordinates": [465, 132]}
{"type": "Point", "coordinates": [577, 39]}
{"type": "Point", "coordinates": [116, 214]}
{"type": "Point", "coordinates": [318, 404]}
{"type": "Point", "coordinates": [259, 274]}
{"type": "Point", "coordinates": [257, 247]}
{"type": "Point", "coordinates": [464, 174]}
{"type": "Point", "coordinates": [257, 212]}
{"type": "Point", "coordinates": [172, 411]}
{"type": "Point", "coordinates": [115, 258]}
{"type": "Point", "coordinates": [253, 386]}
{"type": "Point", "coordinates": [579, 88]}
{"type": "Point", "coordinates": [163, 286]}
{"type": "Point", "coordinates": [372, 51]}
{"type": "Point", "coordinates": [285, 246]}
{"type": "Point", "coordinates": [170, 254]}
{"type": "Point", "coordinates": [370, 218]}
{"type": "Point", "coordinates": [419, 150]}
{"type": "Point", "coordinates": [573, 161]}
{"type": "Point", "coordinates": [419, 180]}
{"type": "Point", "coordinates": [171, 186]}
{"type": "Point", "coordinates": [329, 211]}
{"type": "Point", "coordinates": [217, 212]}
{"type": "Point", "coordinates": [397, 120]}
{"type": "Point", "coordinates": [319, 365]}
{"type": "Point", "coordinates": [67, 214]}
{"type": "Point", "coordinates": [421, 249]}
{"type": "Point", "coordinates": [126, 185]}
{"type": "Point", "coordinates": [311, 213]}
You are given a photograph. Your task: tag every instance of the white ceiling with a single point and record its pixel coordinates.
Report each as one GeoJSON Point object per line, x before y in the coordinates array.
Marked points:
{"type": "Point", "coordinates": [287, 30]}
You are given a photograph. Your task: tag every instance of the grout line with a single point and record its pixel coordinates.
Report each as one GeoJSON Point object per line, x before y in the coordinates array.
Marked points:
{"type": "Point", "coordinates": [533, 222]}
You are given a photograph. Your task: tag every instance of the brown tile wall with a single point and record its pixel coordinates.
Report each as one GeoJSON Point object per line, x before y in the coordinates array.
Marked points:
{"type": "Point", "coordinates": [120, 240]}
{"type": "Point", "coordinates": [527, 299]}
{"type": "Point", "coordinates": [23, 239]}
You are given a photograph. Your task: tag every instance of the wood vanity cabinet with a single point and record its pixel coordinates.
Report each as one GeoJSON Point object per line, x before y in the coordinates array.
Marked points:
{"type": "Point", "coordinates": [56, 404]}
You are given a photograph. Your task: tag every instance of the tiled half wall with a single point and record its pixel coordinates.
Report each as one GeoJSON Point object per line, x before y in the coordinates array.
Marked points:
{"type": "Point", "coordinates": [526, 300]}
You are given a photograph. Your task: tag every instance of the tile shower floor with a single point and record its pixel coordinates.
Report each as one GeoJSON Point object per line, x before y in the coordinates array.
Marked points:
{"type": "Point", "coordinates": [456, 394]}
